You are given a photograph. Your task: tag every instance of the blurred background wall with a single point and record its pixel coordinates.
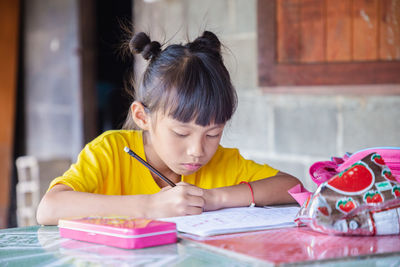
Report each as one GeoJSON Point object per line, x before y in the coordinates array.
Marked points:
{"type": "Point", "coordinates": [289, 127]}
{"type": "Point", "coordinates": [70, 86]}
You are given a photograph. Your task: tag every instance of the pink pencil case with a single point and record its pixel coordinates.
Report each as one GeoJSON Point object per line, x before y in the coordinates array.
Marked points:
{"type": "Point", "coordinates": [122, 232]}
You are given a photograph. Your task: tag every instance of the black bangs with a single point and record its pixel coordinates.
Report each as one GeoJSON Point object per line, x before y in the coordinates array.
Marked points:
{"type": "Point", "coordinates": [199, 93]}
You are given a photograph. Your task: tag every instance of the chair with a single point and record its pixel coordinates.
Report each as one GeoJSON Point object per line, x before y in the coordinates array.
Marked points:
{"type": "Point", "coordinates": [34, 177]}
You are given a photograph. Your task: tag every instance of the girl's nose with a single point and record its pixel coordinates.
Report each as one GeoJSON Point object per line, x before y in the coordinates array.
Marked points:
{"type": "Point", "coordinates": [196, 149]}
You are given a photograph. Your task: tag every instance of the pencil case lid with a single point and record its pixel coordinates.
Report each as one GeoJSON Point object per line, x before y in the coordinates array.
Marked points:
{"type": "Point", "coordinates": [116, 225]}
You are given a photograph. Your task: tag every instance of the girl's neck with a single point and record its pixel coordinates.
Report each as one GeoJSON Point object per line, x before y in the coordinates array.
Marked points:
{"type": "Point", "coordinates": [154, 160]}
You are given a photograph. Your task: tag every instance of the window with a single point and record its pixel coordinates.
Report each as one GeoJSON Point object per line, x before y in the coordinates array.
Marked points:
{"type": "Point", "coordinates": [328, 42]}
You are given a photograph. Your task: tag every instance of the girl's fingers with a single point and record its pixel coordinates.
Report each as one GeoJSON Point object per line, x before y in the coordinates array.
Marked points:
{"type": "Point", "coordinates": [165, 188]}
{"type": "Point", "coordinates": [186, 198]}
{"type": "Point", "coordinates": [195, 201]}
{"type": "Point", "coordinates": [194, 210]}
{"type": "Point", "coordinates": [190, 189]}
{"type": "Point", "coordinates": [195, 191]}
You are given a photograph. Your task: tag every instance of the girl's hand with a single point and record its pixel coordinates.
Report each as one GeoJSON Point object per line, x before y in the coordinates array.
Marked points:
{"type": "Point", "coordinates": [183, 199]}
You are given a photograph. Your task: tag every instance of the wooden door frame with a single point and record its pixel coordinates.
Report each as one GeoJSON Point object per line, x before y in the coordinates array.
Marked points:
{"type": "Point", "coordinates": [271, 73]}
{"type": "Point", "coordinates": [9, 31]}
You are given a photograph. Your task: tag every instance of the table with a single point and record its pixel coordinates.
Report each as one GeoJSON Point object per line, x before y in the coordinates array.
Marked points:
{"type": "Point", "coordinates": [42, 246]}
{"type": "Point", "coordinates": [302, 246]}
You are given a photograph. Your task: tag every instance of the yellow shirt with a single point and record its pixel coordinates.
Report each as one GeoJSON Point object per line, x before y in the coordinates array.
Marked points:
{"type": "Point", "coordinates": [103, 167]}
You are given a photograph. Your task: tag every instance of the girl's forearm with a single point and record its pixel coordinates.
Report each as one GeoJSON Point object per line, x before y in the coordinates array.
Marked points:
{"type": "Point", "coordinates": [68, 203]}
{"type": "Point", "coordinates": [274, 190]}
{"type": "Point", "coordinates": [267, 191]}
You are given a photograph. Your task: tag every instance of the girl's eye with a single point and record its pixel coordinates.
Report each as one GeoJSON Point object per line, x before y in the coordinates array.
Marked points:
{"type": "Point", "coordinates": [180, 134]}
{"type": "Point", "coordinates": [213, 135]}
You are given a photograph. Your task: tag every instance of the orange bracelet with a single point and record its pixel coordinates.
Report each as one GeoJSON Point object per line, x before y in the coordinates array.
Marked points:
{"type": "Point", "coordinates": [252, 193]}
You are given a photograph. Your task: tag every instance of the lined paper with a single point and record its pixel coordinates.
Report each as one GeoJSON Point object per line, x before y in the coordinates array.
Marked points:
{"type": "Point", "coordinates": [234, 220]}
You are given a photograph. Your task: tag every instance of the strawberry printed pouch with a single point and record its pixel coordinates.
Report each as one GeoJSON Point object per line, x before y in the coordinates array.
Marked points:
{"type": "Point", "coordinates": [361, 199]}
{"type": "Point", "coordinates": [321, 171]}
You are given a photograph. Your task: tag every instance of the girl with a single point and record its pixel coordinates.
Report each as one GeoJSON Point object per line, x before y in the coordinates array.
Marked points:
{"type": "Point", "coordinates": [181, 107]}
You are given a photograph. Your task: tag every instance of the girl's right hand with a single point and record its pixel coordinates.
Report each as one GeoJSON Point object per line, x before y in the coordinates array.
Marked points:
{"type": "Point", "coordinates": [183, 199]}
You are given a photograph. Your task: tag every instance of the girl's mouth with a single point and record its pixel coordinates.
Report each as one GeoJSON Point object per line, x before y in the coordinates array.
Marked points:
{"type": "Point", "coordinates": [191, 166]}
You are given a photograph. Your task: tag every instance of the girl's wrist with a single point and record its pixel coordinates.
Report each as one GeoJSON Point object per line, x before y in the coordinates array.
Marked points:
{"type": "Point", "coordinates": [144, 210]}
{"type": "Point", "coordinates": [214, 199]}
{"type": "Point", "coordinates": [148, 207]}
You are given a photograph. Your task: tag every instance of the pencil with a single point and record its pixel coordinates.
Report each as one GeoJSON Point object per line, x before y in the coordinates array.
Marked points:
{"type": "Point", "coordinates": [148, 166]}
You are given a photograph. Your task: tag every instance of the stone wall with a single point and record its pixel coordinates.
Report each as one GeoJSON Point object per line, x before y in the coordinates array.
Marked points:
{"type": "Point", "coordinates": [52, 73]}
{"type": "Point", "coordinates": [287, 131]}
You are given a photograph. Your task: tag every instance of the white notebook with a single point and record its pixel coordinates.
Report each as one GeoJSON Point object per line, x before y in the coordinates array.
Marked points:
{"type": "Point", "coordinates": [234, 220]}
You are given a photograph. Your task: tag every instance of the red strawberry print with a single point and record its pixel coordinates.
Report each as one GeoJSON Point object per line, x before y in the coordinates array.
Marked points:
{"type": "Point", "coordinates": [377, 159]}
{"type": "Point", "coordinates": [354, 180]}
{"type": "Point", "coordinates": [377, 198]}
{"type": "Point", "coordinates": [388, 175]}
{"type": "Point", "coordinates": [396, 191]}
{"type": "Point", "coordinates": [373, 197]}
{"type": "Point", "coordinates": [345, 205]}
{"type": "Point", "coordinates": [324, 210]}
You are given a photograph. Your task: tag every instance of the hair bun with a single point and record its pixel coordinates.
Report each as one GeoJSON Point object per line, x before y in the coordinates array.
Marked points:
{"type": "Point", "coordinates": [206, 40]}
{"type": "Point", "coordinates": [141, 43]}
{"type": "Point", "coordinates": [151, 50]}
{"type": "Point", "coordinates": [138, 42]}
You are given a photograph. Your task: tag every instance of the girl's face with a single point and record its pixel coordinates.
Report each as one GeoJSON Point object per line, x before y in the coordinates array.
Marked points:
{"type": "Point", "coordinates": [183, 147]}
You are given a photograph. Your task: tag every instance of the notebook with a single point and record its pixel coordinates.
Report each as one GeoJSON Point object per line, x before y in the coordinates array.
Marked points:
{"type": "Point", "coordinates": [235, 220]}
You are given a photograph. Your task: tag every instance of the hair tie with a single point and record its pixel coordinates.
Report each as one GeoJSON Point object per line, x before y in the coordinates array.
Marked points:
{"type": "Point", "coordinates": [207, 40]}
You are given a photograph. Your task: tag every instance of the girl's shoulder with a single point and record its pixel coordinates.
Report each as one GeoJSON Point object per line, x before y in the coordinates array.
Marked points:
{"type": "Point", "coordinates": [118, 137]}
{"type": "Point", "coordinates": [226, 154]}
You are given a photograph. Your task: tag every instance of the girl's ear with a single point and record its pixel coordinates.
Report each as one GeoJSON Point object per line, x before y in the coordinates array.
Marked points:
{"type": "Point", "coordinates": [139, 115]}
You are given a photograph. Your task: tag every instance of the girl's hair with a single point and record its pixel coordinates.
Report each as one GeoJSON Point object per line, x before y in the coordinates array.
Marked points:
{"type": "Point", "coordinates": [187, 82]}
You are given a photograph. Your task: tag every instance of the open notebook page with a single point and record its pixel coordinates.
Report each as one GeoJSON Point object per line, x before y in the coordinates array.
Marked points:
{"type": "Point", "coordinates": [234, 220]}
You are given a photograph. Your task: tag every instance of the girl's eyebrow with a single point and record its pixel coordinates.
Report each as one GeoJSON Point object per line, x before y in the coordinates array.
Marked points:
{"type": "Point", "coordinates": [186, 125]}
{"type": "Point", "coordinates": [207, 129]}
{"type": "Point", "coordinates": [216, 126]}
